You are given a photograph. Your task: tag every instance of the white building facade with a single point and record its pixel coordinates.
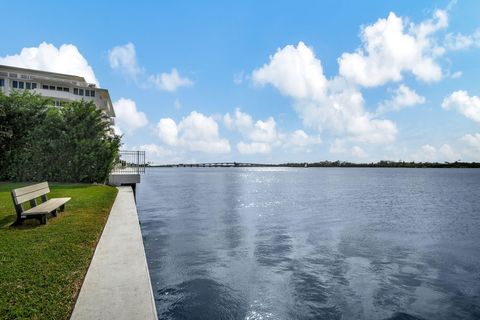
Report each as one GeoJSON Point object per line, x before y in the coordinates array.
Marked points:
{"type": "Point", "coordinates": [59, 87]}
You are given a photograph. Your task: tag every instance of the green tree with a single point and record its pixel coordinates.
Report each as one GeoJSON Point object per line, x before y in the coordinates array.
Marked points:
{"type": "Point", "coordinates": [72, 143]}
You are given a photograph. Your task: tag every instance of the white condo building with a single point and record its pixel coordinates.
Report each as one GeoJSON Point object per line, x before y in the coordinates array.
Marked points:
{"type": "Point", "coordinates": [59, 87]}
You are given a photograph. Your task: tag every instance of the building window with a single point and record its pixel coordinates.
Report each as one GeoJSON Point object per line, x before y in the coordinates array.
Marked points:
{"type": "Point", "coordinates": [59, 88]}
{"type": "Point", "coordinates": [87, 93]}
{"type": "Point", "coordinates": [80, 92]}
{"type": "Point", "coordinates": [44, 86]}
{"type": "Point", "coordinates": [15, 84]}
{"type": "Point", "coordinates": [51, 87]}
{"type": "Point", "coordinates": [2, 82]}
{"type": "Point", "coordinates": [30, 85]}
{"type": "Point", "coordinates": [66, 89]}
{"type": "Point", "coordinates": [75, 91]}
{"type": "Point", "coordinates": [21, 84]}
{"type": "Point", "coordinates": [92, 93]}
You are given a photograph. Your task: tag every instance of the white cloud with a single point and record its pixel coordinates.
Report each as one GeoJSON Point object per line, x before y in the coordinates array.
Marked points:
{"type": "Point", "coordinates": [262, 134]}
{"type": "Point", "coordinates": [240, 121]}
{"type": "Point", "coordinates": [338, 146]}
{"type": "Point", "coordinates": [448, 153]}
{"type": "Point", "coordinates": [300, 138]}
{"type": "Point", "coordinates": [429, 153]}
{"type": "Point", "coordinates": [358, 152]}
{"type": "Point", "coordinates": [167, 131]}
{"type": "Point", "coordinates": [196, 132]}
{"type": "Point", "coordinates": [460, 41]}
{"type": "Point", "coordinates": [238, 77]}
{"type": "Point", "coordinates": [391, 47]}
{"type": "Point", "coordinates": [260, 131]}
{"type": "Point", "coordinates": [403, 97]}
{"type": "Point", "coordinates": [473, 140]}
{"type": "Point", "coordinates": [467, 105]}
{"type": "Point", "coordinates": [265, 131]}
{"type": "Point", "coordinates": [124, 58]}
{"type": "Point", "coordinates": [170, 81]}
{"type": "Point", "coordinates": [160, 155]}
{"type": "Point", "coordinates": [253, 148]}
{"type": "Point", "coordinates": [295, 72]}
{"type": "Point", "coordinates": [65, 59]}
{"type": "Point", "coordinates": [472, 143]}
{"type": "Point", "coordinates": [334, 105]}
{"type": "Point", "coordinates": [128, 118]}
{"type": "Point", "coordinates": [456, 75]}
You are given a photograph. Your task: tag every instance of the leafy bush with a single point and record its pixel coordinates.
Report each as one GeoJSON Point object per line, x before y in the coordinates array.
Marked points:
{"type": "Point", "coordinates": [72, 143]}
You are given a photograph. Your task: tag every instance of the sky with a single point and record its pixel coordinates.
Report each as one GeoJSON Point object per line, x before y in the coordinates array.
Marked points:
{"type": "Point", "coordinates": [269, 81]}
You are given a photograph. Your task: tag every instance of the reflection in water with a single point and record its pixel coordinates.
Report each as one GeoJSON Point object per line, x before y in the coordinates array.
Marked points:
{"type": "Point", "coordinates": [204, 298]}
{"type": "Point", "coordinates": [230, 216]}
{"type": "Point", "coordinates": [403, 316]}
{"type": "Point", "coordinates": [280, 243]}
{"type": "Point", "coordinates": [273, 246]}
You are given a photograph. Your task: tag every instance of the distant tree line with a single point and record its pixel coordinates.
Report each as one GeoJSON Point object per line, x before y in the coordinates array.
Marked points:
{"type": "Point", "coordinates": [38, 141]}
{"type": "Point", "coordinates": [345, 164]}
{"type": "Point", "coordinates": [385, 164]}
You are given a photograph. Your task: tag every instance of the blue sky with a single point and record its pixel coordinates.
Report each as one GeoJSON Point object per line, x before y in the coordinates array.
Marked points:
{"type": "Point", "coordinates": [269, 81]}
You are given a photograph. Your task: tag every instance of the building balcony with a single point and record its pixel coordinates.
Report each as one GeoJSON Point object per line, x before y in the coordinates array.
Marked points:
{"type": "Point", "coordinates": [62, 95]}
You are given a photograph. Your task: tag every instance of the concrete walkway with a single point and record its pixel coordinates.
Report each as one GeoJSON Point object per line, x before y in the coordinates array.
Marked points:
{"type": "Point", "coordinates": [117, 285]}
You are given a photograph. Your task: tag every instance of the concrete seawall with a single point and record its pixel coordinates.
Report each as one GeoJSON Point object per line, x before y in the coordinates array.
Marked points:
{"type": "Point", "coordinates": [117, 284]}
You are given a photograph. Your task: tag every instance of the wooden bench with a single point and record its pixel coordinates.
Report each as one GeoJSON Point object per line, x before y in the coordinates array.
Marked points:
{"type": "Point", "coordinates": [37, 211]}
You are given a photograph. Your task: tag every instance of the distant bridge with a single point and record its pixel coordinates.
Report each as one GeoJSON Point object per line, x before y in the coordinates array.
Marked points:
{"type": "Point", "coordinates": [222, 164]}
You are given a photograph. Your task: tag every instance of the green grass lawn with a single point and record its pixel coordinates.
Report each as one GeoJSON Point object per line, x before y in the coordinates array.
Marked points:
{"type": "Point", "coordinates": [42, 266]}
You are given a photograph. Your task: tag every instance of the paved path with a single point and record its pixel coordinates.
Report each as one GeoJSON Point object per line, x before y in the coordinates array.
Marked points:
{"type": "Point", "coordinates": [117, 285]}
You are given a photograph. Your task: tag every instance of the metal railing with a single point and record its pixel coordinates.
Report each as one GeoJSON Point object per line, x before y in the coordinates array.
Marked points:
{"type": "Point", "coordinates": [130, 162]}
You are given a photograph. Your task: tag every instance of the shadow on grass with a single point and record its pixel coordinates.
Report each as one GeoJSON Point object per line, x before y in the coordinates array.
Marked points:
{"type": "Point", "coordinates": [9, 221]}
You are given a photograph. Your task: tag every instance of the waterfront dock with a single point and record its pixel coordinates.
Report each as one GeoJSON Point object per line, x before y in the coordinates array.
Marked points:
{"type": "Point", "coordinates": [117, 284]}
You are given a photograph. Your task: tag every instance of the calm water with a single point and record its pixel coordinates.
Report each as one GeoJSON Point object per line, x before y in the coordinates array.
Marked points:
{"type": "Point", "coordinates": [274, 243]}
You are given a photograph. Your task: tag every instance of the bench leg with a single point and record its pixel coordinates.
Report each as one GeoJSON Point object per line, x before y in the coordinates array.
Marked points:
{"type": "Point", "coordinates": [18, 222]}
{"type": "Point", "coordinates": [43, 219]}
{"type": "Point", "coordinates": [62, 208]}
{"type": "Point", "coordinates": [54, 213]}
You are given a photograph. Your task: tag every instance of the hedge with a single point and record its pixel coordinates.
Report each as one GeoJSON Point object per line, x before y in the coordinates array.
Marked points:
{"type": "Point", "coordinates": [38, 141]}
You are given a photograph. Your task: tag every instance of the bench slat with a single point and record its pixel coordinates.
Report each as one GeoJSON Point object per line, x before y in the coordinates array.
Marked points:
{"type": "Point", "coordinates": [46, 207]}
{"type": "Point", "coordinates": [25, 194]}
{"type": "Point", "coordinates": [28, 189]}
{"type": "Point", "coordinates": [30, 196]}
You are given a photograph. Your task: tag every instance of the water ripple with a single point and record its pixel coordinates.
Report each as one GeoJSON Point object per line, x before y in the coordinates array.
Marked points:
{"type": "Point", "coordinates": [279, 243]}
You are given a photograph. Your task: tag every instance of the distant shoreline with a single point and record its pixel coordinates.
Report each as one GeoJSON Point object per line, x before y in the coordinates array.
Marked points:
{"type": "Point", "coordinates": [328, 164]}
